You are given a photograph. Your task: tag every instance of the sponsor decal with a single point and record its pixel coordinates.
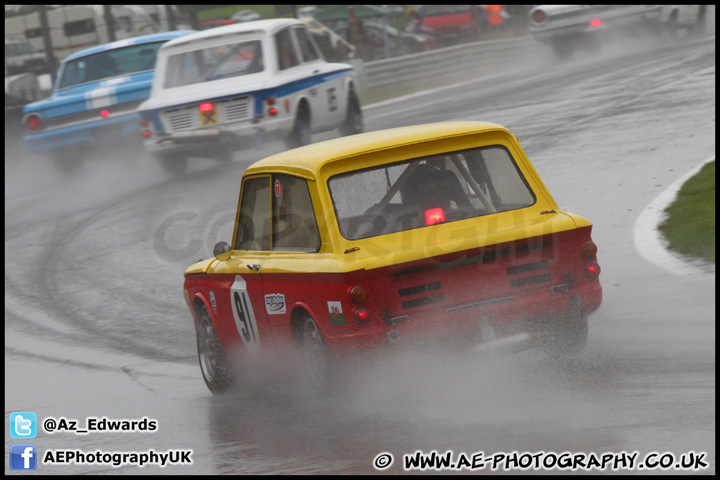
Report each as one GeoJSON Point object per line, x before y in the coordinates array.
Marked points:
{"type": "Point", "coordinates": [212, 301]}
{"type": "Point", "coordinates": [336, 313]}
{"type": "Point", "coordinates": [275, 304]}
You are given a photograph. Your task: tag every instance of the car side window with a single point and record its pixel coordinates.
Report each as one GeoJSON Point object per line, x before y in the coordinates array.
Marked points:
{"type": "Point", "coordinates": [294, 226]}
{"type": "Point", "coordinates": [307, 47]}
{"type": "Point", "coordinates": [287, 57]}
{"type": "Point", "coordinates": [254, 221]}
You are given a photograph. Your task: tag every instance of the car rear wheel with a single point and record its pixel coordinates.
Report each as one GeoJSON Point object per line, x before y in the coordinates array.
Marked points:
{"type": "Point", "coordinates": [300, 134]}
{"type": "Point", "coordinates": [214, 364]}
{"type": "Point", "coordinates": [315, 353]}
{"type": "Point", "coordinates": [353, 119]}
{"type": "Point", "coordinates": [174, 164]}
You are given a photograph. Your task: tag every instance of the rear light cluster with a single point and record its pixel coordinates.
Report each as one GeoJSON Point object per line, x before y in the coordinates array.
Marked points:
{"type": "Point", "coordinates": [589, 250]}
{"type": "Point", "coordinates": [144, 123]}
{"type": "Point", "coordinates": [272, 111]}
{"type": "Point", "coordinates": [361, 313]}
{"type": "Point", "coordinates": [33, 122]}
{"type": "Point", "coordinates": [539, 16]}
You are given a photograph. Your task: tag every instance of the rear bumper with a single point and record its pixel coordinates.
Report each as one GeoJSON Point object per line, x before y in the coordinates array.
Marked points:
{"type": "Point", "coordinates": [474, 324]}
{"type": "Point", "coordinates": [111, 130]}
{"type": "Point", "coordinates": [239, 133]}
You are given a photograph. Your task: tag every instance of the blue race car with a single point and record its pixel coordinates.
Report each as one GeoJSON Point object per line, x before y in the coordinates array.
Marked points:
{"type": "Point", "coordinates": [94, 99]}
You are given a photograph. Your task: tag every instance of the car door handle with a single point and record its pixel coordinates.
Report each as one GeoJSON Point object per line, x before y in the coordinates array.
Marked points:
{"type": "Point", "coordinates": [316, 71]}
{"type": "Point", "coordinates": [253, 266]}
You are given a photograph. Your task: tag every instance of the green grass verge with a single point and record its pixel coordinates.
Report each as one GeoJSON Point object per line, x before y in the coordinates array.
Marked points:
{"type": "Point", "coordinates": [690, 226]}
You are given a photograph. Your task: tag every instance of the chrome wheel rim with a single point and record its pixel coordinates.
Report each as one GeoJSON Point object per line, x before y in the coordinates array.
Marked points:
{"type": "Point", "coordinates": [206, 349]}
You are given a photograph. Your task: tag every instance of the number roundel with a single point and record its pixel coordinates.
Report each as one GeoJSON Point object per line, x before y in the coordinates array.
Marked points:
{"type": "Point", "coordinates": [244, 314]}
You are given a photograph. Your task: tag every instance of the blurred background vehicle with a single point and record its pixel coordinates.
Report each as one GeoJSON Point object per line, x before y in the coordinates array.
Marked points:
{"type": "Point", "coordinates": [246, 16]}
{"type": "Point", "coordinates": [208, 24]}
{"type": "Point", "coordinates": [21, 57]}
{"type": "Point", "coordinates": [334, 47]}
{"type": "Point", "coordinates": [449, 24]}
{"type": "Point", "coordinates": [94, 100]}
{"type": "Point", "coordinates": [386, 41]}
{"type": "Point", "coordinates": [567, 28]}
{"type": "Point", "coordinates": [75, 27]}
{"type": "Point", "coordinates": [21, 89]}
{"type": "Point", "coordinates": [310, 11]}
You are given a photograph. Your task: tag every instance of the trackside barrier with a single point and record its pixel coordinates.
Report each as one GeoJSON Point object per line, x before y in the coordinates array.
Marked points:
{"type": "Point", "coordinates": [489, 56]}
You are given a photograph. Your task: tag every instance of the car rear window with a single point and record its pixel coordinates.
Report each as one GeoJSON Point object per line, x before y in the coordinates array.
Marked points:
{"type": "Point", "coordinates": [214, 63]}
{"type": "Point", "coordinates": [427, 191]}
{"type": "Point", "coordinates": [109, 63]}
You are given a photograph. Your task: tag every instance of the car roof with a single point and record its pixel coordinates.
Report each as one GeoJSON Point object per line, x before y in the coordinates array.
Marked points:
{"type": "Point", "coordinates": [257, 25]}
{"type": "Point", "coordinates": [308, 160]}
{"type": "Point", "coordinates": [155, 37]}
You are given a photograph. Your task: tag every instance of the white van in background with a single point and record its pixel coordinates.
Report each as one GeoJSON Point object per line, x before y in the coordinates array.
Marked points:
{"type": "Point", "coordinates": [77, 27]}
{"type": "Point", "coordinates": [21, 57]}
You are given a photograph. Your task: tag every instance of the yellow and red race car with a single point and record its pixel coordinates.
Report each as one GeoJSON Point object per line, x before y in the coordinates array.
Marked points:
{"type": "Point", "coordinates": [417, 235]}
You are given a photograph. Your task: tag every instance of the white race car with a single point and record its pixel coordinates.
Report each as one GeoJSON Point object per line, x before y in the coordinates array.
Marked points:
{"type": "Point", "coordinates": [570, 27]}
{"type": "Point", "coordinates": [236, 86]}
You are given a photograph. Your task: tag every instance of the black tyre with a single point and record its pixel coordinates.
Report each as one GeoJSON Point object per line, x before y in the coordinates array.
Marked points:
{"type": "Point", "coordinates": [354, 118]}
{"type": "Point", "coordinates": [315, 353]}
{"type": "Point", "coordinates": [214, 365]}
{"type": "Point", "coordinates": [300, 134]}
{"type": "Point", "coordinates": [173, 164]}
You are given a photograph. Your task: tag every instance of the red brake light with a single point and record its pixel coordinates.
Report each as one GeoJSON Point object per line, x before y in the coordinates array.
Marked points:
{"type": "Point", "coordinates": [272, 112]}
{"type": "Point", "coordinates": [104, 113]}
{"type": "Point", "coordinates": [206, 107]}
{"type": "Point", "coordinates": [362, 315]}
{"type": "Point", "coordinates": [434, 215]}
{"type": "Point", "coordinates": [592, 270]}
{"type": "Point", "coordinates": [595, 22]}
{"type": "Point", "coordinates": [539, 16]}
{"type": "Point", "coordinates": [146, 133]}
{"type": "Point", "coordinates": [33, 122]}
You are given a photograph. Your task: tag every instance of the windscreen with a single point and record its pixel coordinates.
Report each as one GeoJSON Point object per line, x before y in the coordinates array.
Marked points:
{"type": "Point", "coordinates": [427, 191]}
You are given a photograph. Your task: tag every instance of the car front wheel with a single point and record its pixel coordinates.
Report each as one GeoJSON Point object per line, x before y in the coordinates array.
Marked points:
{"type": "Point", "coordinates": [214, 364]}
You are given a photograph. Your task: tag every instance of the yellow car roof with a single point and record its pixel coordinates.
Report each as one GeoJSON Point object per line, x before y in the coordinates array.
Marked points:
{"type": "Point", "coordinates": [306, 161]}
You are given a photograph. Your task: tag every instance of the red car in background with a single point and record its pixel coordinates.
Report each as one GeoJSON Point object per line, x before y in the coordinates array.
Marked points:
{"type": "Point", "coordinates": [449, 24]}
{"type": "Point", "coordinates": [208, 24]}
